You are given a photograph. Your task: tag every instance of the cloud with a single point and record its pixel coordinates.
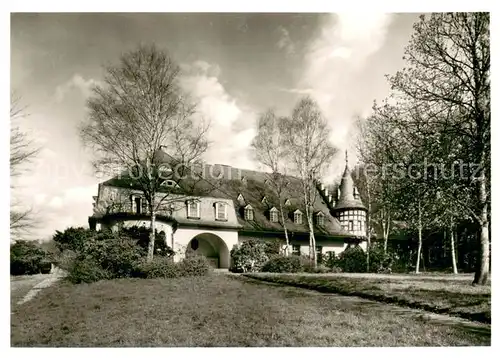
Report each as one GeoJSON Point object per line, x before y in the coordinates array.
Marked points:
{"type": "Point", "coordinates": [56, 202]}
{"type": "Point", "coordinates": [231, 122]}
{"type": "Point", "coordinates": [285, 42]}
{"type": "Point", "coordinates": [70, 207]}
{"type": "Point", "coordinates": [340, 52]}
{"type": "Point", "coordinates": [77, 82]}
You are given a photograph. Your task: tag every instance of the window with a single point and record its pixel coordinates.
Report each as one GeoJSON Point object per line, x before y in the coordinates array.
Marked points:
{"type": "Point", "coordinates": [297, 217]}
{"type": "Point", "coordinates": [248, 213]}
{"type": "Point", "coordinates": [137, 205]}
{"type": "Point", "coordinates": [193, 209]}
{"type": "Point", "coordinates": [273, 215]}
{"type": "Point", "coordinates": [169, 184]}
{"type": "Point", "coordinates": [320, 219]}
{"type": "Point", "coordinates": [296, 250]}
{"type": "Point", "coordinates": [220, 211]}
{"type": "Point", "coordinates": [350, 226]}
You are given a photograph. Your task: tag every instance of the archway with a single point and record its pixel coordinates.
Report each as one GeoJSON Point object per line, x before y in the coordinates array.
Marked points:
{"type": "Point", "coordinates": [212, 247]}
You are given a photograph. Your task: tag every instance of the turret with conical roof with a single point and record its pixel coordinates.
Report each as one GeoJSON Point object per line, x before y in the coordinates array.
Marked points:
{"type": "Point", "coordinates": [349, 209]}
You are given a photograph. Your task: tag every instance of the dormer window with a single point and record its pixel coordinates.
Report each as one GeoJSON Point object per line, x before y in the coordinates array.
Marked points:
{"type": "Point", "coordinates": [288, 202]}
{"type": "Point", "coordinates": [297, 217]}
{"type": "Point", "coordinates": [273, 215]}
{"type": "Point", "coordinates": [193, 209]}
{"type": "Point", "coordinates": [356, 193]}
{"type": "Point", "coordinates": [169, 184]}
{"type": "Point", "coordinates": [264, 200]}
{"type": "Point", "coordinates": [241, 199]}
{"type": "Point", "coordinates": [248, 212]}
{"type": "Point", "coordinates": [320, 219]}
{"type": "Point", "coordinates": [221, 211]}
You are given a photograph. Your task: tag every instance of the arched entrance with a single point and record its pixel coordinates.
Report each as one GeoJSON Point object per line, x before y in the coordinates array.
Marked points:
{"type": "Point", "coordinates": [212, 247]}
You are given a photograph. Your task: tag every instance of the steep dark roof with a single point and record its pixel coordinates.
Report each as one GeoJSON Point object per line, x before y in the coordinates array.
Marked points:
{"type": "Point", "coordinates": [253, 189]}
{"type": "Point", "coordinates": [346, 199]}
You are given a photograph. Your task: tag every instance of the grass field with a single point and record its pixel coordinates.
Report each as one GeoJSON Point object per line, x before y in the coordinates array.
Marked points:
{"type": "Point", "coordinates": [439, 294]}
{"type": "Point", "coordinates": [219, 310]}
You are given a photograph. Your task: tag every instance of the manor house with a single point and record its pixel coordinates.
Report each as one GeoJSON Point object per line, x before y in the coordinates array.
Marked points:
{"type": "Point", "coordinates": [223, 206]}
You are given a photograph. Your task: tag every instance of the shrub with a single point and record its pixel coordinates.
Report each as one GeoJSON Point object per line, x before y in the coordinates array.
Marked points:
{"type": "Point", "coordinates": [118, 256]}
{"type": "Point", "coordinates": [26, 258]}
{"type": "Point", "coordinates": [159, 267]}
{"type": "Point", "coordinates": [321, 269]}
{"type": "Point", "coordinates": [308, 266]}
{"type": "Point", "coordinates": [249, 256]}
{"type": "Point", "coordinates": [87, 270]}
{"type": "Point", "coordinates": [335, 269]}
{"type": "Point", "coordinates": [141, 235]}
{"type": "Point", "coordinates": [273, 248]}
{"type": "Point", "coordinates": [65, 259]}
{"type": "Point", "coordinates": [195, 265]}
{"type": "Point", "coordinates": [283, 264]}
{"type": "Point", "coordinates": [330, 260]}
{"type": "Point", "coordinates": [72, 238]}
{"type": "Point", "coordinates": [381, 262]}
{"type": "Point", "coordinates": [352, 259]}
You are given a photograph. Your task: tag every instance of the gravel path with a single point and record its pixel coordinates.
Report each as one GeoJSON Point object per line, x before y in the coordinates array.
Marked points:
{"type": "Point", "coordinates": [25, 288]}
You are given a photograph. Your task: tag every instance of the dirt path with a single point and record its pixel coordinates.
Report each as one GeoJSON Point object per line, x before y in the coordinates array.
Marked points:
{"type": "Point", "coordinates": [25, 288]}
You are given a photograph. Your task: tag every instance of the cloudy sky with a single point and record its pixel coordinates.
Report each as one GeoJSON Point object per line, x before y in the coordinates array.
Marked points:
{"type": "Point", "coordinates": [237, 65]}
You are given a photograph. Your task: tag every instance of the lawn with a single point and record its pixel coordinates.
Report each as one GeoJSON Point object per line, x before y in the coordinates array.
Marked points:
{"type": "Point", "coordinates": [448, 294]}
{"type": "Point", "coordinates": [219, 310]}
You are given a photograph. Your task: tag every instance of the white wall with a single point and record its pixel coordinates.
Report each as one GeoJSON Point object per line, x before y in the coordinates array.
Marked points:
{"type": "Point", "coordinates": [183, 236]}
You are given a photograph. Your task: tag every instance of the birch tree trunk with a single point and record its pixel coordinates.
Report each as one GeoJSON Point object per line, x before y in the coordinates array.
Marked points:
{"type": "Point", "coordinates": [151, 244]}
{"type": "Point", "coordinates": [312, 239]}
{"type": "Point", "coordinates": [286, 231]}
{"type": "Point", "coordinates": [452, 248]}
{"type": "Point", "coordinates": [368, 225]}
{"type": "Point", "coordinates": [419, 251]}
{"type": "Point", "coordinates": [483, 262]}
{"type": "Point", "coordinates": [386, 222]}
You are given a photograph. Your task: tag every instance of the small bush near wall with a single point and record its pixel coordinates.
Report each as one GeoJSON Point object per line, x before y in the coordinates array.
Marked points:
{"type": "Point", "coordinates": [352, 259]}
{"type": "Point", "coordinates": [249, 256]}
{"type": "Point", "coordinates": [160, 267]}
{"type": "Point", "coordinates": [87, 270]}
{"type": "Point", "coordinates": [283, 264]}
{"type": "Point", "coordinates": [194, 266]}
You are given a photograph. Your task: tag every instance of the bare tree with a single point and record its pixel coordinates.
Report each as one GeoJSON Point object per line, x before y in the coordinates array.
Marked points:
{"type": "Point", "coordinates": [375, 145]}
{"type": "Point", "coordinates": [447, 78]}
{"type": "Point", "coordinates": [139, 110]}
{"type": "Point", "coordinates": [271, 151]}
{"type": "Point", "coordinates": [23, 151]}
{"type": "Point", "coordinates": [309, 149]}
